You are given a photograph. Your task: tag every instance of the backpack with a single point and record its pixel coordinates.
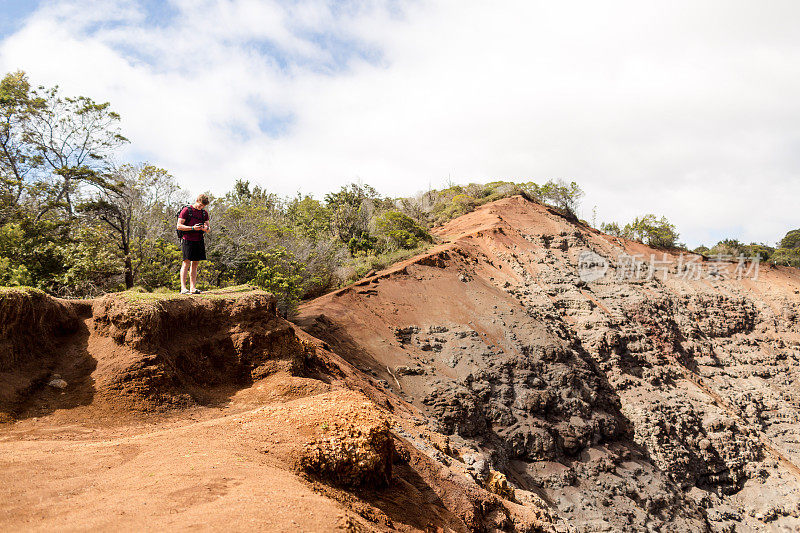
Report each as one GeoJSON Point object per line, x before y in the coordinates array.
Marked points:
{"type": "Point", "coordinates": [178, 215]}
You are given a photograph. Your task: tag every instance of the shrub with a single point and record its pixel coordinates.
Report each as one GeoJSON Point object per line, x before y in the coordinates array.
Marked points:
{"type": "Point", "coordinates": [13, 276]}
{"type": "Point", "coordinates": [277, 271]}
{"type": "Point", "coordinates": [563, 195]}
{"type": "Point", "coordinates": [657, 232]}
{"type": "Point", "coordinates": [612, 228]}
{"type": "Point", "coordinates": [791, 240]}
{"type": "Point", "coordinates": [361, 266]}
{"type": "Point", "coordinates": [786, 257]}
{"type": "Point", "coordinates": [702, 250]}
{"type": "Point", "coordinates": [399, 231]}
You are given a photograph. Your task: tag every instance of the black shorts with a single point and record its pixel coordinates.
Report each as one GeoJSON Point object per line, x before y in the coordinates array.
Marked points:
{"type": "Point", "coordinates": [193, 250]}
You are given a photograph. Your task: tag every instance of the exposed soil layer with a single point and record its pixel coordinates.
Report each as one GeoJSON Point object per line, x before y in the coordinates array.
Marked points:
{"type": "Point", "coordinates": [32, 329]}
{"type": "Point", "coordinates": [624, 401]}
{"type": "Point", "coordinates": [178, 351]}
{"type": "Point", "coordinates": [170, 412]}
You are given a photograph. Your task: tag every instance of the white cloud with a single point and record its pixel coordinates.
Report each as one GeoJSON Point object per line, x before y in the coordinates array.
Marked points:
{"type": "Point", "coordinates": [687, 109]}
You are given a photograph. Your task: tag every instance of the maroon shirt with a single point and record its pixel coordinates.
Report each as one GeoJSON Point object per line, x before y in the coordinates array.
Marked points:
{"type": "Point", "coordinates": [197, 216]}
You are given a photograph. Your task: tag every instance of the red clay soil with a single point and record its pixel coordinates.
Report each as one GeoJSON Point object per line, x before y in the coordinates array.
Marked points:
{"type": "Point", "coordinates": [237, 422]}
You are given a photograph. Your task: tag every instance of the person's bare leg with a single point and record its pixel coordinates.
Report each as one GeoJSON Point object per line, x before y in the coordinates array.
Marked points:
{"type": "Point", "coordinates": [193, 275]}
{"type": "Point", "coordinates": [184, 272]}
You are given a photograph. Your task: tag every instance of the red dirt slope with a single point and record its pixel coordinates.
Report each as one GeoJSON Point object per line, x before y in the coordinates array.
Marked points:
{"type": "Point", "coordinates": [213, 412]}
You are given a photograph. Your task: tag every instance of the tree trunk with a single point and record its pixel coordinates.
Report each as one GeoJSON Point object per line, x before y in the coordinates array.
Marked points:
{"type": "Point", "coordinates": [126, 249]}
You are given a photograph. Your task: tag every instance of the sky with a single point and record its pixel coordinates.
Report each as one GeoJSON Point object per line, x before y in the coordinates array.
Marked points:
{"type": "Point", "coordinates": [685, 109]}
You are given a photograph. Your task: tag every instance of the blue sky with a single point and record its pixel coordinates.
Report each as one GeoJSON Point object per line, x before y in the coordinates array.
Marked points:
{"type": "Point", "coordinates": [14, 12]}
{"type": "Point", "coordinates": [683, 109]}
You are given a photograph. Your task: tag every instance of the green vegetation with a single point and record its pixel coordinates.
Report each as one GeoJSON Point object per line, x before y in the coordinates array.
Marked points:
{"type": "Point", "coordinates": [787, 252]}
{"type": "Point", "coordinates": [72, 223]}
{"type": "Point", "coordinates": [732, 248]}
{"type": "Point", "coordinates": [19, 290]}
{"type": "Point", "coordinates": [434, 208]}
{"type": "Point", "coordinates": [140, 296]}
{"type": "Point", "coordinates": [648, 229]}
{"type": "Point", "coordinates": [361, 266]}
{"type": "Point", "coordinates": [660, 233]}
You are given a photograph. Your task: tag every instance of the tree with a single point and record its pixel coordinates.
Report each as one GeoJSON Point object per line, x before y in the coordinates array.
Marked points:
{"type": "Point", "coordinates": [278, 272]}
{"type": "Point", "coordinates": [762, 251]}
{"type": "Point", "coordinates": [786, 257]}
{"type": "Point", "coordinates": [563, 195]}
{"type": "Point", "coordinates": [244, 220]}
{"type": "Point", "coordinates": [653, 231]}
{"type": "Point", "coordinates": [351, 210]}
{"type": "Point", "coordinates": [17, 158]}
{"type": "Point", "coordinates": [126, 202]}
{"type": "Point", "coordinates": [791, 240]}
{"type": "Point", "coordinates": [788, 251]}
{"type": "Point", "coordinates": [11, 275]}
{"type": "Point", "coordinates": [41, 247]}
{"type": "Point", "coordinates": [612, 228]}
{"type": "Point", "coordinates": [159, 266]}
{"type": "Point", "coordinates": [73, 138]}
{"type": "Point", "coordinates": [311, 219]}
{"type": "Point", "coordinates": [399, 231]}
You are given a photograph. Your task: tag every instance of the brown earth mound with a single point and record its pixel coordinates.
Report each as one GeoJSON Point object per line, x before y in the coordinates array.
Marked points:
{"type": "Point", "coordinates": [32, 326]}
{"type": "Point", "coordinates": [215, 409]}
{"type": "Point", "coordinates": [355, 450]}
{"type": "Point", "coordinates": [134, 351]}
{"type": "Point", "coordinates": [180, 350]}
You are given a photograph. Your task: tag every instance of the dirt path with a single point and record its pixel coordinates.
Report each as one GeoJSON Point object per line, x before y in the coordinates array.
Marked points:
{"type": "Point", "coordinates": [220, 473]}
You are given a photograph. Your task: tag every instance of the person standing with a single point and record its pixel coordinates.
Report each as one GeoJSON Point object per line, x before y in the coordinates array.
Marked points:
{"type": "Point", "coordinates": [193, 223]}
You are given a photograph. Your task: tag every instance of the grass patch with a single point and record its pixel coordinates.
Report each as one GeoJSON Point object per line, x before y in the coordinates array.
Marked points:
{"type": "Point", "coordinates": [7, 291]}
{"type": "Point", "coordinates": [136, 296]}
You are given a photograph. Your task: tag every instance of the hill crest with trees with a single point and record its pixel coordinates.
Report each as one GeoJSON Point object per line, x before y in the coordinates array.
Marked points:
{"type": "Point", "coordinates": [74, 222]}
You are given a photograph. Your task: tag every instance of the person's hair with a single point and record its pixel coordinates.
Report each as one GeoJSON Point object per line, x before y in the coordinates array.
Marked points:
{"type": "Point", "coordinates": [203, 199]}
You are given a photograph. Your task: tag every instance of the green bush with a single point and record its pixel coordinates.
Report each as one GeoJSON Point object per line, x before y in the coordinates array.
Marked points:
{"type": "Point", "coordinates": [13, 276]}
{"type": "Point", "coordinates": [277, 271]}
{"type": "Point", "coordinates": [362, 245]}
{"type": "Point", "coordinates": [788, 252]}
{"type": "Point", "coordinates": [791, 240]}
{"type": "Point", "coordinates": [612, 228]}
{"type": "Point", "coordinates": [160, 264]}
{"type": "Point", "coordinates": [653, 231]}
{"type": "Point", "coordinates": [458, 205]}
{"type": "Point", "coordinates": [399, 231]}
{"type": "Point", "coordinates": [734, 248]}
{"type": "Point", "coordinates": [786, 257]}
{"type": "Point", "coordinates": [702, 250]}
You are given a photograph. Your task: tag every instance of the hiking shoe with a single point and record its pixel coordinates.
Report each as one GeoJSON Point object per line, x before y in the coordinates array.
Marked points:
{"type": "Point", "coordinates": [185, 291]}
{"type": "Point", "coordinates": [196, 291]}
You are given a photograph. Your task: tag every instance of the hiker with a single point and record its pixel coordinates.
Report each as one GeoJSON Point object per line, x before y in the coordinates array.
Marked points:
{"type": "Point", "coordinates": [192, 226]}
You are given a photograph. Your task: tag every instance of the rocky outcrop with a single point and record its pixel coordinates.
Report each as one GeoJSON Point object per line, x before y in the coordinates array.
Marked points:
{"type": "Point", "coordinates": [354, 451]}
{"type": "Point", "coordinates": [636, 397]}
